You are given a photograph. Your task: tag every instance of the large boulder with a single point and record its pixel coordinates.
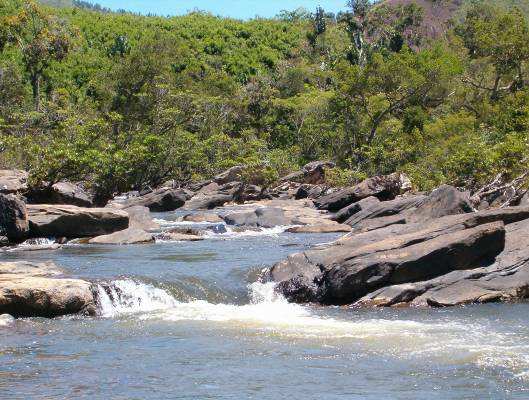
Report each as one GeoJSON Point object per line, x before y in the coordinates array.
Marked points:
{"type": "Point", "coordinates": [61, 193]}
{"type": "Point", "coordinates": [360, 263]}
{"type": "Point", "coordinates": [13, 218]}
{"type": "Point", "coordinates": [39, 290]}
{"type": "Point", "coordinates": [163, 199]}
{"type": "Point", "coordinates": [308, 191]}
{"type": "Point", "coordinates": [127, 236]}
{"type": "Point", "coordinates": [217, 198]}
{"type": "Point", "coordinates": [13, 181]}
{"type": "Point", "coordinates": [47, 220]}
{"type": "Point", "coordinates": [261, 217]}
{"type": "Point", "coordinates": [382, 187]}
{"type": "Point", "coordinates": [140, 218]}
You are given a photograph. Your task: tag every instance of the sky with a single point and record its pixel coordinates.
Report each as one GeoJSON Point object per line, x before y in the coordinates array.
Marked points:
{"type": "Point", "coordinates": [229, 8]}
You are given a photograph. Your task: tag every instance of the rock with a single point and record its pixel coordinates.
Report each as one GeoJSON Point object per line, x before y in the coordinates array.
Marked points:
{"type": "Point", "coordinates": [360, 263]}
{"type": "Point", "coordinates": [140, 218]}
{"type": "Point", "coordinates": [37, 290]}
{"type": "Point", "coordinates": [372, 210]}
{"type": "Point", "coordinates": [308, 191]}
{"type": "Point", "coordinates": [73, 222]}
{"type": "Point", "coordinates": [13, 181]}
{"type": "Point", "coordinates": [161, 200]}
{"type": "Point", "coordinates": [381, 187]}
{"type": "Point", "coordinates": [312, 173]}
{"type": "Point", "coordinates": [505, 280]}
{"type": "Point", "coordinates": [13, 218]}
{"type": "Point", "coordinates": [60, 193]}
{"type": "Point", "coordinates": [445, 200]}
{"type": "Point", "coordinates": [203, 217]}
{"type": "Point", "coordinates": [249, 193]}
{"type": "Point", "coordinates": [209, 188]}
{"type": "Point", "coordinates": [6, 320]}
{"type": "Point", "coordinates": [207, 202]}
{"type": "Point", "coordinates": [345, 213]}
{"type": "Point", "coordinates": [178, 237]}
{"type": "Point", "coordinates": [322, 228]}
{"type": "Point", "coordinates": [231, 175]}
{"type": "Point", "coordinates": [127, 236]}
{"type": "Point", "coordinates": [471, 248]}
{"type": "Point", "coordinates": [261, 217]}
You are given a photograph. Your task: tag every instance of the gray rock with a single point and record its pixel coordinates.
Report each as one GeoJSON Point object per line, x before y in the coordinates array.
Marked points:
{"type": "Point", "coordinates": [381, 187]}
{"type": "Point", "coordinates": [164, 199]}
{"type": "Point", "coordinates": [61, 193]}
{"type": "Point", "coordinates": [261, 217]}
{"type": "Point", "coordinates": [312, 173]}
{"type": "Point", "coordinates": [13, 218]}
{"type": "Point", "coordinates": [73, 222]}
{"type": "Point", "coordinates": [38, 290]}
{"type": "Point", "coordinates": [345, 213]}
{"type": "Point", "coordinates": [230, 175]}
{"type": "Point", "coordinates": [6, 320]}
{"type": "Point", "coordinates": [126, 236]}
{"type": "Point", "coordinates": [203, 217]}
{"type": "Point", "coordinates": [371, 261]}
{"type": "Point", "coordinates": [140, 218]}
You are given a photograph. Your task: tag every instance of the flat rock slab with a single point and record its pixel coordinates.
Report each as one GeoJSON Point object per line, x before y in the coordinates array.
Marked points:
{"type": "Point", "coordinates": [127, 236]}
{"type": "Point", "coordinates": [38, 290]}
{"type": "Point", "coordinates": [323, 228]}
{"type": "Point", "coordinates": [47, 220]}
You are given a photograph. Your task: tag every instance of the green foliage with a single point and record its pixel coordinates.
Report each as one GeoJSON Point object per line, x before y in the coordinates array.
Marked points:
{"type": "Point", "coordinates": [127, 101]}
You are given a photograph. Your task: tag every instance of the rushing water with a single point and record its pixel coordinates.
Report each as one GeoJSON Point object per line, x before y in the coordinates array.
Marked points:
{"type": "Point", "coordinates": [190, 321]}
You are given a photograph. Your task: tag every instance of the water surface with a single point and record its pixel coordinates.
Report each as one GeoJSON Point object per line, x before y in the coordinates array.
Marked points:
{"type": "Point", "coordinates": [192, 323]}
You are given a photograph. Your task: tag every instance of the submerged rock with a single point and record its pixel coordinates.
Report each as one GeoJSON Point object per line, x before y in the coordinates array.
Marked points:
{"type": "Point", "coordinates": [321, 228]}
{"type": "Point", "coordinates": [38, 290]}
{"type": "Point", "coordinates": [72, 222]}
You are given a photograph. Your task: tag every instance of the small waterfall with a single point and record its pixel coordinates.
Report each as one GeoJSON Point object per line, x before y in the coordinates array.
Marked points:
{"type": "Point", "coordinates": [130, 297]}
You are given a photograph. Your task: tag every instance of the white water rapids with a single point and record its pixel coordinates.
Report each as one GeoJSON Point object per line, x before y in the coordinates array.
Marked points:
{"type": "Point", "coordinates": [270, 314]}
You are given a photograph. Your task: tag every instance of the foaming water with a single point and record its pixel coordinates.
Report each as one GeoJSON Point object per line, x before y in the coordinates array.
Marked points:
{"type": "Point", "coordinates": [270, 314]}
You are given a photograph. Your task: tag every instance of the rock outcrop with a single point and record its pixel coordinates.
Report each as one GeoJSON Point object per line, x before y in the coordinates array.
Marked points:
{"type": "Point", "coordinates": [312, 173]}
{"type": "Point", "coordinates": [13, 218]}
{"type": "Point", "coordinates": [381, 187]}
{"type": "Point", "coordinates": [160, 200]}
{"type": "Point", "coordinates": [61, 193]}
{"type": "Point", "coordinates": [47, 220]}
{"type": "Point", "coordinates": [40, 290]}
{"type": "Point", "coordinates": [400, 263]}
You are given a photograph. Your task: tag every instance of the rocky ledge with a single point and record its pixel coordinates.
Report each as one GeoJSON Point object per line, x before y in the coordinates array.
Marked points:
{"type": "Point", "coordinates": [454, 259]}
{"type": "Point", "coordinates": [41, 290]}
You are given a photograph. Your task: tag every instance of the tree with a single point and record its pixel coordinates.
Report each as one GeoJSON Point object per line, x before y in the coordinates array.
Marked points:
{"type": "Point", "coordinates": [499, 41]}
{"type": "Point", "coordinates": [41, 39]}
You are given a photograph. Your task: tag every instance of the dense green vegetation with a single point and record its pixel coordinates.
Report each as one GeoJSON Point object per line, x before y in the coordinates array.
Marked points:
{"type": "Point", "coordinates": [124, 101]}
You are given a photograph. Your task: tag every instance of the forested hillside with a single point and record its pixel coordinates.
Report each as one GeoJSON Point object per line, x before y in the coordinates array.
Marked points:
{"type": "Point", "coordinates": [125, 101]}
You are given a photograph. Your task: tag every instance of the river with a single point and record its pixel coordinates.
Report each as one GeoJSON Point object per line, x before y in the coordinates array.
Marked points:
{"type": "Point", "coordinates": [190, 321]}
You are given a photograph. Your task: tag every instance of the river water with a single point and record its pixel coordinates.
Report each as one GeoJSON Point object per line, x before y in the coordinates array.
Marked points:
{"type": "Point", "coordinates": [190, 321]}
